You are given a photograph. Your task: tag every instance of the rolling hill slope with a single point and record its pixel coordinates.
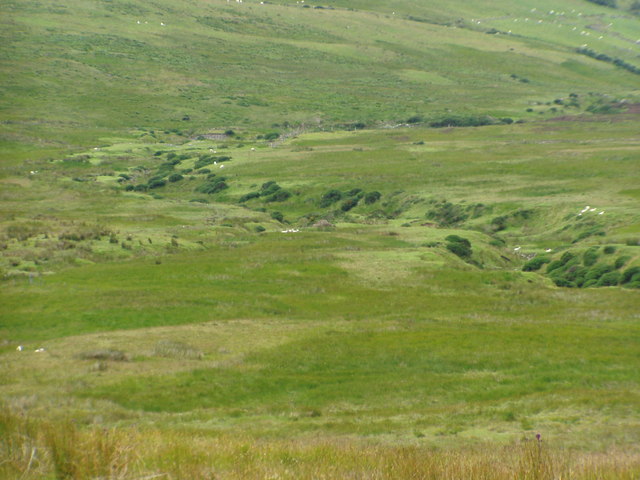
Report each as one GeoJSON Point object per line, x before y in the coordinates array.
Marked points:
{"type": "Point", "coordinates": [353, 239]}
{"type": "Point", "coordinates": [76, 71]}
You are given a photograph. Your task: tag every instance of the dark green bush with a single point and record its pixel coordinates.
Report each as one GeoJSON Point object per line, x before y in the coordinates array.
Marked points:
{"type": "Point", "coordinates": [610, 279]}
{"type": "Point", "coordinates": [535, 264]}
{"type": "Point", "coordinates": [590, 257]}
{"type": "Point", "coordinates": [621, 261]}
{"type": "Point", "coordinates": [140, 188]}
{"type": "Point", "coordinates": [279, 196]}
{"type": "Point", "coordinates": [269, 188]}
{"type": "Point", "coordinates": [598, 271]}
{"type": "Point", "coordinates": [609, 249]}
{"type": "Point", "coordinates": [353, 192]}
{"type": "Point", "coordinates": [459, 246]}
{"type": "Point", "coordinates": [448, 214]}
{"type": "Point", "coordinates": [349, 204]}
{"type": "Point", "coordinates": [566, 257]}
{"type": "Point", "coordinates": [630, 275]}
{"type": "Point", "coordinates": [372, 197]}
{"type": "Point", "coordinates": [277, 216]}
{"type": "Point", "coordinates": [499, 223]}
{"type": "Point", "coordinates": [175, 177]}
{"type": "Point", "coordinates": [563, 282]}
{"type": "Point", "coordinates": [605, 3]}
{"type": "Point", "coordinates": [129, 188]}
{"type": "Point", "coordinates": [213, 186]}
{"type": "Point", "coordinates": [329, 198]}
{"type": "Point", "coordinates": [203, 161]}
{"type": "Point", "coordinates": [272, 136]}
{"type": "Point", "coordinates": [555, 265]}
{"type": "Point", "coordinates": [464, 121]}
{"type": "Point", "coordinates": [249, 196]}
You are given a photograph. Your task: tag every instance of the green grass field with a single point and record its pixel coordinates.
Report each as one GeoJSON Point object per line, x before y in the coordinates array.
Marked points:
{"type": "Point", "coordinates": [416, 248]}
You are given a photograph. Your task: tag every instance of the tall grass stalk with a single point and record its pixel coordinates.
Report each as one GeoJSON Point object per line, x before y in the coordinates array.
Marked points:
{"type": "Point", "coordinates": [31, 448]}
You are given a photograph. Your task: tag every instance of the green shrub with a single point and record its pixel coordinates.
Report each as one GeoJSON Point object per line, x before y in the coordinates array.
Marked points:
{"type": "Point", "coordinates": [560, 281]}
{"type": "Point", "coordinates": [272, 136]}
{"type": "Point", "coordinates": [463, 121]}
{"type": "Point", "coordinates": [610, 279]}
{"type": "Point", "coordinates": [176, 177]}
{"type": "Point", "coordinates": [277, 216]}
{"type": "Point", "coordinates": [372, 197]}
{"type": "Point", "coordinates": [535, 264]}
{"type": "Point", "coordinates": [556, 264]}
{"type": "Point", "coordinates": [249, 196]}
{"type": "Point", "coordinates": [566, 257]}
{"type": "Point", "coordinates": [213, 186]}
{"type": "Point", "coordinates": [598, 271]}
{"type": "Point", "coordinates": [609, 249]}
{"type": "Point", "coordinates": [630, 275]}
{"type": "Point", "coordinates": [499, 223]}
{"type": "Point", "coordinates": [279, 196]}
{"type": "Point", "coordinates": [448, 214]}
{"type": "Point", "coordinates": [156, 182]}
{"type": "Point", "coordinates": [605, 3]}
{"type": "Point", "coordinates": [590, 257]}
{"type": "Point", "coordinates": [269, 188]}
{"type": "Point", "coordinates": [330, 197]}
{"type": "Point", "coordinates": [621, 261]}
{"type": "Point", "coordinates": [459, 246]}
{"type": "Point", "coordinates": [259, 229]}
{"type": "Point", "coordinates": [589, 283]}
{"type": "Point", "coordinates": [349, 204]}
{"type": "Point", "coordinates": [353, 192]}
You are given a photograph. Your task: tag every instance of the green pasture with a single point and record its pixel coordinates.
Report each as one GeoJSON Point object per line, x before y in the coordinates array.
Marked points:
{"type": "Point", "coordinates": [395, 225]}
{"type": "Point", "coordinates": [73, 73]}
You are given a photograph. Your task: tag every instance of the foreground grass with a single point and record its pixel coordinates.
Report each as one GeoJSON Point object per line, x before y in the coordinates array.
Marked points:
{"type": "Point", "coordinates": [43, 449]}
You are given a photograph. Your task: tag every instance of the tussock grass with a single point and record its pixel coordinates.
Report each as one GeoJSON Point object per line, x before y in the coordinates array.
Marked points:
{"type": "Point", "coordinates": [36, 448]}
{"type": "Point", "coordinates": [175, 349]}
{"type": "Point", "coordinates": [107, 354]}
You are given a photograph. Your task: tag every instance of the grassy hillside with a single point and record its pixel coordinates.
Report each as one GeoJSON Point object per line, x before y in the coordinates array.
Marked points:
{"type": "Point", "coordinates": [75, 72]}
{"type": "Point", "coordinates": [411, 249]}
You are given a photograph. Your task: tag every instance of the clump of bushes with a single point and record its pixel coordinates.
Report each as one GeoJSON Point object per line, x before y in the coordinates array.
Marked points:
{"type": "Point", "coordinates": [459, 246]}
{"type": "Point", "coordinates": [270, 191]}
{"type": "Point", "coordinates": [535, 264]}
{"type": "Point", "coordinates": [448, 214]}
{"type": "Point", "coordinates": [621, 261]}
{"type": "Point", "coordinates": [330, 197]}
{"type": "Point", "coordinates": [156, 182]}
{"type": "Point", "coordinates": [467, 121]}
{"type": "Point", "coordinates": [590, 257]}
{"type": "Point", "coordinates": [278, 196]}
{"type": "Point", "coordinates": [214, 185]}
{"type": "Point", "coordinates": [349, 204]}
{"type": "Point", "coordinates": [205, 159]}
{"type": "Point", "coordinates": [372, 197]}
{"type": "Point", "coordinates": [584, 271]}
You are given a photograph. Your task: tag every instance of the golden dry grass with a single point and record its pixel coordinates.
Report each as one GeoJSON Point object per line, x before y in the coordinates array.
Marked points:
{"type": "Point", "coordinates": [36, 448]}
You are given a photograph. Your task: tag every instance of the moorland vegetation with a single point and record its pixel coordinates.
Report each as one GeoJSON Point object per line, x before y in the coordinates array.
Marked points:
{"type": "Point", "coordinates": [355, 239]}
